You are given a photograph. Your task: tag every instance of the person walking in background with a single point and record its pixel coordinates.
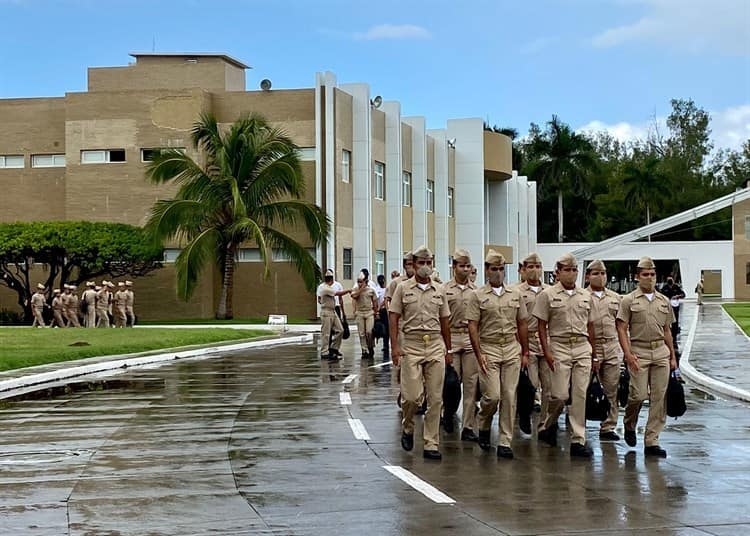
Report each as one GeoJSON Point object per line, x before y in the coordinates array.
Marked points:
{"type": "Point", "coordinates": [383, 312]}
{"type": "Point", "coordinates": [365, 308]}
{"type": "Point", "coordinates": [57, 310]}
{"type": "Point", "coordinates": [38, 303]}
{"type": "Point", "coordinates": [88, 305]}
{"type": "Point", "coordinates": [129, 304]}
{"type": "Point", "coordinates": [699, 291]}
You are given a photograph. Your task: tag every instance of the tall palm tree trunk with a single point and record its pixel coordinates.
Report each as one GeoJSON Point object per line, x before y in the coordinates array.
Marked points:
{"type": "Point", "coordinates": [560, 216]}
{"type": "Point", "coordinates": [225, 309]}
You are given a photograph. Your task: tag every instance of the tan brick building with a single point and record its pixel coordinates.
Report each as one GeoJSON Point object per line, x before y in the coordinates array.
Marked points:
{"type": "Point", "coordinates": [386, 181]}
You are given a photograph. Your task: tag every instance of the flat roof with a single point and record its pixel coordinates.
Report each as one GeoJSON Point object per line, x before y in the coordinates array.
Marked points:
{"type": "Point", "coordinates": [225, 57]}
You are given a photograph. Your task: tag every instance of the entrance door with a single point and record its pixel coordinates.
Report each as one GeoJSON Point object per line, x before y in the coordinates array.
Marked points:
{"type": "Point", "coordinates": [711, 282]}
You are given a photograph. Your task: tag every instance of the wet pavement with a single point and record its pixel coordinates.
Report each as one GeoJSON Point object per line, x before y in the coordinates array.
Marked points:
{"type": "Point", "coordinates": [260, 442]}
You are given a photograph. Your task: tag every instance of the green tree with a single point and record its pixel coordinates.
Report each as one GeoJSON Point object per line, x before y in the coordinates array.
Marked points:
{"type": "Point", "coordinates": [71, 252]}
{"type": "Point", "coordinates": [249, 189]}
{"type": "Point", "coordinates": [643, 185]}
{"type": "Point", "coordinates": [561, 162]}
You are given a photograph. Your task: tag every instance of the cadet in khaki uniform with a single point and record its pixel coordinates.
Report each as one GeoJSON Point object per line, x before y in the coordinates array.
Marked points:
{"type": "Point", "coordinates": [605, 303]}
{"type": "Point", "coordinates": [129, 304]}
{"type": "Point", "coordinates": [331, 328]}
{"type": "Point", "coordinates": [89, 298]}
{"type": "Point", "coordinates": [38, 303]}
{"type": "Point", "coordinates": [419, 304]}
{"type": "Point", "coordinates": [457, 292]}
{"type": "Point", "coordinates": [539, 372]}
{"type": "Point", "coordinates": [365, 308]}
{"type": "Point", "coordinates": [497, 322]}
{"type": "Point", "coordinates": [57, 310]}
{"type": "Point", "coordinates": [408, 273]}
{"type": "Point", "coordinates": [648, 353]}
{"type": "Point", "coordinates": [118, 305]}
{"type": "Point", "coordinates": [699, 291]}
{"type": "Point", "coordinates": [567, 339]}
{"type": "Point", "coordinates": [70, 306]}
{"type": "Point", "coordinates": [102, 305]}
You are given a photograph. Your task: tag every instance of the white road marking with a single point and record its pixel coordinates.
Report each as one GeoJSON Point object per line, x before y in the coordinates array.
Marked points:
{"type": "Point", "coordinates": [381, 364]}
{"type": "Point", "coordinates": [349, 379]}
{"type": "Point", "coordinates": [345, 399]}
{"type": "Point", "coordinates": [358, 429]}
{"type": "Point", "coordinates": [418, 484]}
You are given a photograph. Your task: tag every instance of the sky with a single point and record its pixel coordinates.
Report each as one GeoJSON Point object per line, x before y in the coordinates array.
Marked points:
{"type": "Point", "coordinates": [598, 64]}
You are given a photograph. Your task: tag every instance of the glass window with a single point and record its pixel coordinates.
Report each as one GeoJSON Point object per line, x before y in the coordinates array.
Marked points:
{"type": "Point", "coordinates": [307, 154]}
{"type": "Point", "coordinates": [170, 254]}
{"type": "Point", "coordinates": [147, 155]}
{"type": "Point", "coordinates": [48, 160]}
{"type": "Point", "coordinates": [347, 263]}
{"type": "Point", "coordinates": [102, 156]}
{"type": "Point", "coordinates": [379, 172]}
{"type": "Point", "coordinates": [430, 204]}
{"type": "Point", "coordinates": [406, 189]}
{"type": "Point", "coordinates": [13, 161]}
{"type": "Point", "coordinates": [379, 262]}
{"type": "Point", "coordinates": [451, 201]}
{"type": "Point", "coordinates": [346, 159]}
{"type": "Point", "coordinates": [747, 227]}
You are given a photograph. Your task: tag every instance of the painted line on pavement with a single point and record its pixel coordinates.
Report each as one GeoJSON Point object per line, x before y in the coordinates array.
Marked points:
{"type": "Point", "coordinates": [349, 379]}
{"type": "Point", "coordinates": [703, 380]}
{"type": "Point", "coordinates": [345, 399]}
{"type": "Point", "coordinates": [426, 489]}
{"type": "Point", "coordinates": [358, 429]}
{"type": "Point", "coordinates": [381, 364]}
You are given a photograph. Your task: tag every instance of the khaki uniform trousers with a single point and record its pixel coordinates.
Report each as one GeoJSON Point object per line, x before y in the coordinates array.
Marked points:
{"type": "Point", "coordinates": [365, 323]}
{"type": "Point", "coordinates": [38, 318]}
{"type": "Point", "coordinates": [102, 318]}
{"type": "Point", "coordinates": [120, 318]}
{"type": "Point", "coordinates": [89, 319]}
{"type": "Point", "coordinates": [130, 315]}
{"type": "Point", "coordinates": [422, 369]}
{"type": "Point", "coordinates": [57, 318]}
{"type": "Point", "coordinates": [649, 382]}
{"type": "Point", "coordinates": [467, 368]}
{"type": "Point", "coordinates": [571, 377]}
{"type": "Point", "coordinates": [609, 376]}
{"type": "Point", "coordinates": [499, 386]}
{"type": "Point", "coordinates": [72, 316]}
{"type": "Point", "coordinates": [330, 330]}
{"type": "Point", "coordinates": [539, 374]}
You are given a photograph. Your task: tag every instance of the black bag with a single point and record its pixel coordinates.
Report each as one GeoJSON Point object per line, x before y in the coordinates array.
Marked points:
{"type": "Point", "coordinates": [345, 325]}
{"type": "Point", "coordinates": [623, 387]}
{"type": "Point", "coordinates": [84, 306]}
{"type": "Point", "coordinates": [451, 391]}
{"type": "Point", "coordinates": [525, 394]}
{"type": "Point", "coordinates": [597, 404]}
{"type": "Point", "coordinates": [378, 330]}
{"type": "Point", "coordinates": [676, 406]}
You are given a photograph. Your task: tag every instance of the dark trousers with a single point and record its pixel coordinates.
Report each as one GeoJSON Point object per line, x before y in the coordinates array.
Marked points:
{"type": "Point", "coordinates": [384, 320]}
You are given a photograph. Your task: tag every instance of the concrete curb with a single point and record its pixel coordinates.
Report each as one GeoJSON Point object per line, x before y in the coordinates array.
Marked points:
{"type": "Point", "coordinates": [707, 382]}
{"type": "Point", "coordinates": [8, 387]}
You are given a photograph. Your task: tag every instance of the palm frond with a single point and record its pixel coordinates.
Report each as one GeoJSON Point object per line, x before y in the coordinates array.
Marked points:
{"type": "Point", "coordinates": [179, 219]}
{"type": "Point", "coordinates": [192, 260]}
{"type": "Point", "coordinates": [293, 212]}
{"type": "Point", "coordinates": [298, 256]}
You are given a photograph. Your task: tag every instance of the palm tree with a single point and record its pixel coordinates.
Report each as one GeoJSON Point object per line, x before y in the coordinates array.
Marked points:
{"type": "Point", "coordinates": [561, 162]}
{"type": "Point", "coordinates": [249, 189]}
{"type": "Point", "coordinates": [643, 184]}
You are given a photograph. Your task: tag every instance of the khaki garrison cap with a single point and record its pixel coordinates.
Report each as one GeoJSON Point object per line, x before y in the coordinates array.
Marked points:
{"type": "Point", "coordinates": [329, 273]}
{"type": "Point", "coordinates": [596, 265]}
{"type": "Point", "coordinates": [40, 286]}
{"type": "Point", "coordinates": [493, 257]}
{"type": "Point", "coordinates": [56, 291]}
{"type": "Point", "coordinates": [120, 284]}
{"type": "Point", "coordinates": [532, 257]}
{"type": "Point", "coordinates": [646, 263]}
{"type": "Point", "coordinates": [407, 256]}
{"type": "Point", "coordinates": [461, 254]}
{"type": "Point", "coordinates": [128, 283]}
{"type": "Point", "coordinates": [90, 284]}
{"type": "Point", "coordinates": [567, 260]}
{"type": "Point", "coordinates": [422, 252]}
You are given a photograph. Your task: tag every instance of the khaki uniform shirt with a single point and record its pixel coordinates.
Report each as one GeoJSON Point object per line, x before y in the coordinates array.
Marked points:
{"type": "Point", "coordinates": [420, 310]}
{"type": "Point", "coordinates": [67, 301]}
{"type": "Point", "coordinates": [37, 300]}
{"type": "Point", "coordinates": [89, 296]}
{"type": "Point", "coordinates": [529, 299]}
{"type": "Point", "coordinates": [393, 284]}
{"type": "Point", "coordinates": [57, 304]}
{"type": "Point", "coordinates": [566, 315]}
{"type": "Point", "coordinates": [363, 302]}
{"type": "Point", "coordinates": [646, 319]}
{"type": "Point", "coordinates": [457, 300]}
{"type": "Point", "coordinates": [327, 298]}
{"type": "Point", "coordinates": [605, 312]}
{"type": "Point", "coordinates": [102, 300]}
{"type": "Point", "coordinates": [120, 298]}
{"type": "Point", "coordinates": [498, 316]}
{"type": "Point", "coordinates": [129, 298]}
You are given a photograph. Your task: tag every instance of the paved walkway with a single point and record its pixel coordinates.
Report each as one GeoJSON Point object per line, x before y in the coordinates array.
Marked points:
{"type": "Point", "coordinates": [266, 442]}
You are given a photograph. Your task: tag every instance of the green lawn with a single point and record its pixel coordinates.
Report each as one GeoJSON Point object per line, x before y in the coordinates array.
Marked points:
{"type": "Point", "coordinates": [741, 314]}
{"type": "Point", "coordinates": [26, 347]}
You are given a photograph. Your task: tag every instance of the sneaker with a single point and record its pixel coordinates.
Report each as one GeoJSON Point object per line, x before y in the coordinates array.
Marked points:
{"type": "Point", "coordinates": [630, 438]}
{"type": "Point", "coordinates": [504, 452]}
{"type": "Point", "coordinates": [580, 451]}
{"type": "Point", "coordinates": [608, 436]}
{"type": "Point", "coordinates": [656, 451]}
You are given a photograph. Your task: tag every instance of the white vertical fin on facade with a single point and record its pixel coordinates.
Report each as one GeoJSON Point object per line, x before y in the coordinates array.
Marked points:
{"type": "Point", "coordinates": [329, 80]}
{"type": "Point", "coordinates": [470, 209]}
{"type": "Point", "coordinates": [319, 125]}
{"type": "Point", "coordinates": [532, 216]}
{"type": "Point", "coordinates": [523, 218]}
{"type": "Point", "coordinates": [442, 254]}
{"type": "Point", "coordinates": [361, 174]}
{"type": "Point", "coordinates": [393, 172]}
{"type": "Point", "coordinates": [418, 179]}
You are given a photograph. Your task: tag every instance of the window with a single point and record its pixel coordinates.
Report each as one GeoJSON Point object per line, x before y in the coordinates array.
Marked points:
{"type": "Point", "coordinates": [11, 161]}
{"type": "Point", "coordinates": [306, 154]}
{"type": "Point", "coordinates": [379, 262]}
{"type": "Point", "coordinates": [347, 263]}
{"type": "Point", "coordinates": [430, 203]}
{"type": "Point", "coordinates": [346, 160]}
{"type": "Point", "coordinates": [170, 254]}
{"type": "Point", "coordinates": [48, 160]}
{"type": "Point", "coordinates": [379, 187]}
{"type": "Point", "coordinates": [451, 205]}
{"type": "Point", "coordinates": [147, 155]}
{"type": "Point", "coordinates": [747, 273]}
{"type": "Point", "coordinates": [747, 227]}
{"type": "Point", "coordinates": [103, 156]}
{"type": "Point", "coordinates": [406, 189]}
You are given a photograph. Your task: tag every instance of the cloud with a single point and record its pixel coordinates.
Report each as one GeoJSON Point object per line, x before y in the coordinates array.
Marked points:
{"type": "Point", "coordinates": [686, 25]}
{"type": "Point", "coordinates": [392, 32]}
{"type": "Point", "coordinates": [730, 127]}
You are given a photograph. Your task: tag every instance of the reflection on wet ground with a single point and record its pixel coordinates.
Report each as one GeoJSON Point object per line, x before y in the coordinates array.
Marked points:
{"type": "Point", "coordinates": [257, 442]}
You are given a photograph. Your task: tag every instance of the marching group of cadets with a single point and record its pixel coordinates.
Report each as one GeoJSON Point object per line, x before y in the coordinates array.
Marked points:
{"type": "Point", "coordinates": [560, 334]}
{"type": "Point", "coordinates": [98, 306]}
